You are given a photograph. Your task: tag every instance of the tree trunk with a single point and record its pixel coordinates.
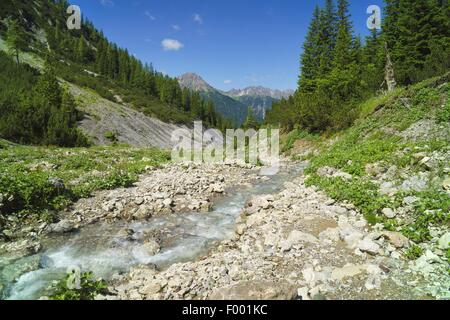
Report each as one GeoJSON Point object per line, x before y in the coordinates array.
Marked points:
{"type": "Point", "coordinates": [389, 72]}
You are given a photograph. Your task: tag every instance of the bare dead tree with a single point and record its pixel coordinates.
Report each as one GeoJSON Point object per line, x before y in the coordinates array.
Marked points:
{"type": "Point", "coordinates": [389, 76]}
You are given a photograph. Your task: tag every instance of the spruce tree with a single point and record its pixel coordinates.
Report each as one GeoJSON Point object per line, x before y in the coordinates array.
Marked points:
{"type": "Point", "coordinates": [250, 121]}
{"type": "Point", "coordinates": [327, 32]}
{"type": "Point", "coordinates": [81, 50]}
{"type": "Point", "coordinates": [15, 39]}
{"type": "Point", "coordinates": [342, 52]}
{"type": "Point", "coordinates": [310, 57]}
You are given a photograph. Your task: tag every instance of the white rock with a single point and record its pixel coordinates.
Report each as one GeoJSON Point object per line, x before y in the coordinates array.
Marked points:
{"type": "Point", "coordinates": [303, 293]}
{"type": "Point", "coordinates": [397, 239]}
{"type": "Point", "coordinates": [368, 246]}
{"type": "Point", "coordinates": [167, 202]}
{"type": "Point", "coordinates": [444, 241]}
{"type": "Point", "coordinates": [297, 237]}
{"type": "Point", "coordinates": [348, 271]}
{"type": "Point", "coordinates": [309, 275]}
{"type": "Point", "coordinates": [353, 239]}
{"type": "Point", "coordinates": [389, 213]}
{"type": "Point", "coordinates": [151, 247]}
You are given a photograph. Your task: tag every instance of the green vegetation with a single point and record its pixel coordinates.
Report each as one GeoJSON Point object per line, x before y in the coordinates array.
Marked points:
{"type": "Point", "coordinates": [414, 252]}
{"type": "Point", "coordinates": [34, 109]}
{"type": "Point", "coordinates": [37, 181]}
{"type": "Point", "coordinates": [85, 57]}
{"type": "Point", "coordinates": [339, 71]}
{"type": "Point", "coordinates": [89, 288]}
{"type": "Point", "coordinates": [15, 39]}
{"type": "Point", "coordinates": [375, 139]}
{"type": "Point", "coordinates": [250, 122]}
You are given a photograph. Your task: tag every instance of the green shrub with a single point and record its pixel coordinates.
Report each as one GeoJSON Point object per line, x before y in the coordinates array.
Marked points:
{"type": "Point", "coordinates": [414, 253]}
{"type": "Point", "coordinates": [111, 136]}
{"type": "Point", "coordinates": [88, 290]}
{"type": "Point", "coordinates": [443, 113]}
{"type": "Point", "coordinates": [26, 191]}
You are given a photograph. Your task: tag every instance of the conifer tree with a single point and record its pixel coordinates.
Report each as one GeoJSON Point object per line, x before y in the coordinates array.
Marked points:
{"type": "Point", "coordinates": [327, 32]}
{"type": "Point", "coordinates": [15, 39]}
{"type": "Point", "coordinates": [342, 51]}
{"type": "Point", "coordinates": [310, 57]}
{"type": "Point", "coordinates": [250, 121]}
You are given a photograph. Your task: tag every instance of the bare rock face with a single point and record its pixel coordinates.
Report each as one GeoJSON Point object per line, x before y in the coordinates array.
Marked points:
{"type": "Point", "coordinates": [130, 126]}
{"type": "Point", "coordinates": [256, 290]}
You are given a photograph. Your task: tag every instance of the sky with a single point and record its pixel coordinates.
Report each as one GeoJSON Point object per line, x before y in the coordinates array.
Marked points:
{"type": "Point", "coordinates": [230, 43]}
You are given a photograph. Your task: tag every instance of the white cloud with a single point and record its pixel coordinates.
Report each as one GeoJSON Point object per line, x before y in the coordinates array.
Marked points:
{"type": "Point", "coordinates": [227, 82]}
{"type": "Point", "coordinates": [171, 45]}
{"type": "Point", "coordinates": [150, 16]}
{"type": "Point", "coordinates": [176, 27]}
{"type": "Point", "coordinates": [198, 18]}
{"type": "Point", "coordinates": [107, 3]}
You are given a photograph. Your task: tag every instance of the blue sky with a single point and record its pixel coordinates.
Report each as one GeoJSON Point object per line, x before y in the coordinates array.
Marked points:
{"type": "Point", "coordinates": [230, 43]}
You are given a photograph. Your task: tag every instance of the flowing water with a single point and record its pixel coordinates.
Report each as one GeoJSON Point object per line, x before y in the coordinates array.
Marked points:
{"type": "Point", "coordinates": [104, 248]}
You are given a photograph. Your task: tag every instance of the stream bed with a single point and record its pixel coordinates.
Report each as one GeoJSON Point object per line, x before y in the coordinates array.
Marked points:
{"type": "Point", "coordinates": [104, 249]}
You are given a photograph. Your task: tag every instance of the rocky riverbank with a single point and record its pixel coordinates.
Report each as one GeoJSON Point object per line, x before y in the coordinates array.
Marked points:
{"type": "Point", "coordinates": [301, 244]}
{"type": "Point", "coordinates": [172, 188]}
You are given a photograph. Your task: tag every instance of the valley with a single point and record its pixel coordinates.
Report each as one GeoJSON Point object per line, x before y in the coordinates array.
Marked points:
{"type": "Point", "coordinates": [94, 205]}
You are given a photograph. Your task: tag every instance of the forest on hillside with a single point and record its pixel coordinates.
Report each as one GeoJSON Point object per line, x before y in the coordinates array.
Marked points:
{"type": "Point", "coordinates": [339, 70]}
{"type": "Point", "coordinates": [84, 57]}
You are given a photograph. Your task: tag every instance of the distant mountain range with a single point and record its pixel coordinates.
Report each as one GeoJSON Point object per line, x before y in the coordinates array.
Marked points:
{"type": "Point", "coordinates": [234, 103]}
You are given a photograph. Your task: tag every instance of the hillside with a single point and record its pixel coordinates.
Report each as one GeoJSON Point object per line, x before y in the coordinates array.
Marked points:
{"type": "Point", "coordinates": [87, 60]}
{"type": "Point", "coordinates": [393, 166]}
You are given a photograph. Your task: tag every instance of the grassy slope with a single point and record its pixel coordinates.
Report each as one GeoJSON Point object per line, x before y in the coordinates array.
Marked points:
{"type": "Point", "coordinates": [25, 172]}
{"type": "Point", "coordinates": [377, 139]}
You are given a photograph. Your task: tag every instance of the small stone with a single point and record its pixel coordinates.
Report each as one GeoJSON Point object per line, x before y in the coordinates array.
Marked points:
{"type": "Point", "coordinates": [151, 247]}
{"type": "Point", "coordinates": [389, 213]}
{"type": "Point", "coordinates": [168, 202]}
{"type": "Point", "coordinates": [303, 293]}
{"type": "Point", "coordinates": [410, 200]}
{"type": "Point", "coordinates": [397, 239]}
{"type": "Point", "coordinates": [139, 200]}
{"type": "Point", "coordinates": [240, 229]}
{"type": "Point", "coordinates": [297, 237]}
{"type": "Point", "coordinates": [368, 246]}
{"type": "Point", "coordinates": [64, 226]}
{"type": "Point", "coordinates": [444, 241]}
{"type": "Point", "coordinates": [150, 289]}
{"type": "Point", "coordinates": [446, 184]}
{"type": "Point", "coordinates": [348, 271]}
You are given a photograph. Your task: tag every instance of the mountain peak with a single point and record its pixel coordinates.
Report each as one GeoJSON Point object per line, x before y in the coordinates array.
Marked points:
{"type": "Point", "coordinates": [194, 82]}
{"type": "Point", "coordinates": [260, 91]}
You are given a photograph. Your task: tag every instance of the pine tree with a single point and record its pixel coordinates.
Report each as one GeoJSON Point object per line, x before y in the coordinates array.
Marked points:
{"type": "Point", "coordinates": [342, 51]}
{"type": "Point", "coordinates": [250, 121]}
{"type": "Point", "coordinates": [373, 62]}
{"type": "Point", "coordinates": [15, 39]}
{"type": "Point", "coordinates": [327, 32]}
{"type": "Point", "coordinates": [81, 50]}
{"type": "Point", "coordinates": [47, 89]}
{"type": "Point", "coordinates": [310, 57]}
